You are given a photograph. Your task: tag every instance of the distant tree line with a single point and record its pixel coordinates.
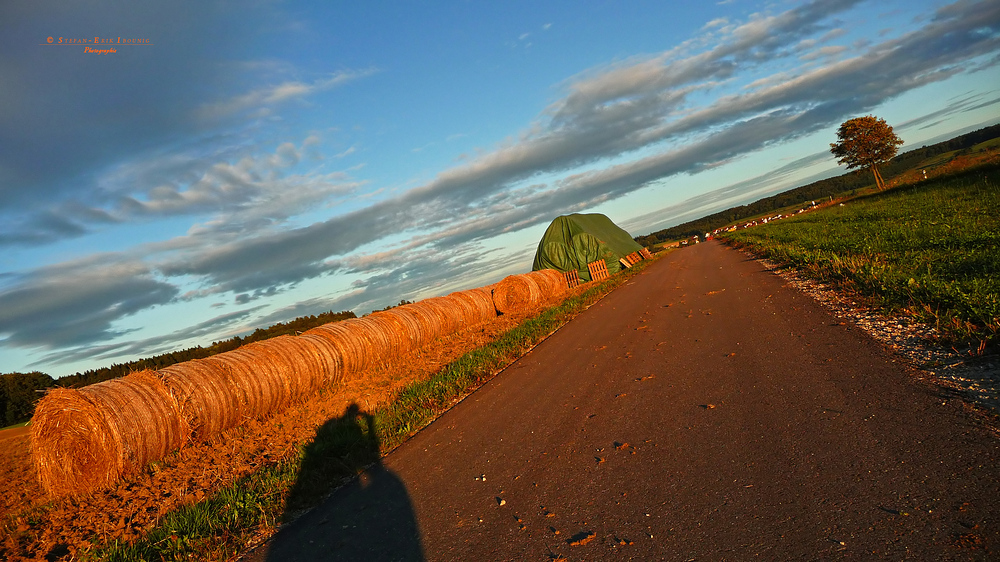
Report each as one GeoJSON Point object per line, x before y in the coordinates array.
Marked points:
{"type": "Point", "coordinates": [18, 396]}
{"type": "Point", "coordinates": [17, 390]}
{"type": "Point", "coordinates": [816, 190]}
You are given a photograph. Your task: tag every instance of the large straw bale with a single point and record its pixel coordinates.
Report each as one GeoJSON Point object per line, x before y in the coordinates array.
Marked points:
{"type": "Point", "coordinates": [392, 334]}
{"type": "Point", "coordinates": [328, 354]}
{"type": "Point", "coordinates": [461, 309]}
{"type": "Point", "coordinates": [379, 346]}
{"type": "Point", "coordinates": [260, 383]}
{"type": "Point", "coordinates": [89, 438]}
{"type": "Point", "coordinates": [362, 342]}
{"type": "Point", "coordinates": [408, 322]}
{"type": "Point", "coordinates": [516, 293]}
{"type": "Point", "coordinates": [542, 282]}
{"type": "Point", "coordinates": [352, 347]}
{"type": "Point", "coordinates": [429, 316]}
{"type": "Point", "coordinates": [451, 322]}
{"type": "Point", "coordinates": [270, 370]}
{"type": "Point", "coordinates": [485, 296]}
{"type": "Point", "coordinates": [551, 282]}
{"type": "Point", "coordinates": [294, 363]}
{"type": "Point", "coordinates": [206, 396]}
{"type": "Point", "coordinates": [402, 329]}
{"type": "Point", "coordinates": [481, 302]}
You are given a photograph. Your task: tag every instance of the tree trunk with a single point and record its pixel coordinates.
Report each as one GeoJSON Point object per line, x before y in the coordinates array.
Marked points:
{"type": "Point", "coordinates": [878, 178]}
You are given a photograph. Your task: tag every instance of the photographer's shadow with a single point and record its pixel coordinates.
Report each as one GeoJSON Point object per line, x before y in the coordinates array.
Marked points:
{"type": "Point", "coordinates": [369, 518]}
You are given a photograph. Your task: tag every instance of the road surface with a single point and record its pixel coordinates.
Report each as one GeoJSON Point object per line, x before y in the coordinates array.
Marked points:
{"type": "Point", "coordinates": [703, 411]}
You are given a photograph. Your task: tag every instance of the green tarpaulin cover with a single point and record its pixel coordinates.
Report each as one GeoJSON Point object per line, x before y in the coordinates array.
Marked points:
{"type": "Point", "coordinates": [573, 241]}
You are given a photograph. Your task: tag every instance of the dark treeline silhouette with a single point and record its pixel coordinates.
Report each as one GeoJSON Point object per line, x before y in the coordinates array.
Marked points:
{"type": "Point", "coordinates": [18, 395]}
{"type": "Point", "coordinates": [818, 190]}
{"type": "Point", "coordinates": [23, 385]}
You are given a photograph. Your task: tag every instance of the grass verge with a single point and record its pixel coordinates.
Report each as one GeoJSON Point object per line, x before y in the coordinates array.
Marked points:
{"type": "Point", "coordinates": [222, 526]}
{"type": "Point", "coordinates": [929, 249]}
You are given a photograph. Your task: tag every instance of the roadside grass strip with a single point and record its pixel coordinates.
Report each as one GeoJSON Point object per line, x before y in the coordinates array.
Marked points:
{"type": "Point", "coordinates": [223, 525]}
{"type": "Point", "coordinates": [930, 249]}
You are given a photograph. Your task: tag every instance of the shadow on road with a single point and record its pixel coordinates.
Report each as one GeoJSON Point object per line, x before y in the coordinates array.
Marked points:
{"type": "Point", "coordinates": [369, 518]}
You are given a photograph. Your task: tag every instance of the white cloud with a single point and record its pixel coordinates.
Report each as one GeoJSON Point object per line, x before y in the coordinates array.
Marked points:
{"type": "Point", "coordinates": [263, 97]}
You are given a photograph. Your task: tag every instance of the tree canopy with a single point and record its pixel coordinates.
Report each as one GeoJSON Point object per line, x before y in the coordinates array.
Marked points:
{"type": "Point", "coordinates": [18, 396]}
{"type": "Point", "coordinates": [864, 143]}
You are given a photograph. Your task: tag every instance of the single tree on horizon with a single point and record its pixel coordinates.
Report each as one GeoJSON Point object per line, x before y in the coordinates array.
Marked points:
{"type": "Point", "coordinates": [864, 143]}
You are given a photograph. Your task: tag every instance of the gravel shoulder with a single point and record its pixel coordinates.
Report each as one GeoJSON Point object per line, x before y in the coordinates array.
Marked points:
{"type": "Point", "coordinates": [966, 373]}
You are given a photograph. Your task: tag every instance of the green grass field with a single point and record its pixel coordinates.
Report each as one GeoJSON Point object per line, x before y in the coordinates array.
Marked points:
{"type": "Point", "coordinates": [931, 249]}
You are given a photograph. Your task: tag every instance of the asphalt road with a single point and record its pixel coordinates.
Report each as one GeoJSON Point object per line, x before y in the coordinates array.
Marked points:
{"type": "Point", "coordinates": [703, 411]}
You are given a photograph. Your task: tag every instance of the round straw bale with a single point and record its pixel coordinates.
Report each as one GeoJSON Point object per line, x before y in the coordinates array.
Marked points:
{"type": "Point", "coordinates": [348, 342]}
{"type": "Point", "coordinates": [379, 344]}
{"type": "Point", "coordinates": [258, 389]}
{"type": "Point", "coordinates": [408, 322]}
{"type": "Point", "coordinates": [550, 281]}
{"type": "Point", "coordinates": [205, 394]}
{"type": "Point", "coordinates": [328, 354]}
{"type": "Point", "coordinates": [260, 377]}
{"type": "Point", "coordinates": [89, 438]}
{"type": "Point", "coordinates": [451, 320]}
{"type": "Point", "coordinates": [400, 329]}
{"type": "Point", "coordinates": [516, 293]}
{"type": "Point", "coordinates": [293, 363]}
{"type": "Point", "coordinates": [385, 336]}
{"type": "Point", "coordinates": [458, 309]}
{"type": "Point", "coordinates": [486, 295]}
{"type": "Point", "coordinates": [480, 303]}
{"type": "Point", "coordinates": [430, 321]}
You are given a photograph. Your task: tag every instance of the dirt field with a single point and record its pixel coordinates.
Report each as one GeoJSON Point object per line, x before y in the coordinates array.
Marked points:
{"type": "Point", "coordinates": [35, 530]}
{"type": "Point", "coordinates": [14, 432]}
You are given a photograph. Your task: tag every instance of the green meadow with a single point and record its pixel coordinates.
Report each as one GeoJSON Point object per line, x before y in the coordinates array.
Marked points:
{"type": "Point", "coordinates": [931, 249]}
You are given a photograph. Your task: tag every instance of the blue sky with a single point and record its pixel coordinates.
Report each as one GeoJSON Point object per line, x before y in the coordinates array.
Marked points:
{"type": "Point", "coordinates": [257, 161]}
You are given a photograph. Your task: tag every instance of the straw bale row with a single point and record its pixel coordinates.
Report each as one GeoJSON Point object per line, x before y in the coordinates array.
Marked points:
{"type": "Point", "coordinates": [520, 293]}
{"type": "Point", "coordinates": [89, 438]}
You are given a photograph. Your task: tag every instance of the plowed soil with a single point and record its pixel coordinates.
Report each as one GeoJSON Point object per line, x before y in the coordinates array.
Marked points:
{"type": "Point", "coordinates": [35, 528]}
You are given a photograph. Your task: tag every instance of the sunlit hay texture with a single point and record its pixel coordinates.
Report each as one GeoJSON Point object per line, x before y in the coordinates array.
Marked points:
{"type": "Point", "coordinates": [348, 342]}
{"type": "Point", "coordinates": [361, 342]}
{"type": "Point", "coordinates": [294, 364]}
{"type": "Point", "coordinates": [516, 293]}
{"type": "Point", "coordinates": [208, 400]}
{"type": "Point", "coordinates": [263, 372]}
{"type": "Point", "coordinates": [455, 312]}
{"type": "Point", "coordinates": [328, 354]}
{"type": "Point", "coordinates": [431, 320]}
{"type": "Point", "coordinates": [408, 323]}
{"type": "Point", "coordinates": [484, 295]}
{"type": "Point", "coordinates": [446, 309]}
{"type": "Point", "coordinates": [378, 344]}
{"type": "Point", "coordinates": [400, 329]}
{"type": "Point", "coordinates": [391, 334]}
{"type": "Point", "coordinates": [477, 306]}
{"type": "Point", "coordinates": [89, 438]}
{"type": "Point", "coordinates": [551, 282]}
{"type": "Point", "coordinates": [465, 308]}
